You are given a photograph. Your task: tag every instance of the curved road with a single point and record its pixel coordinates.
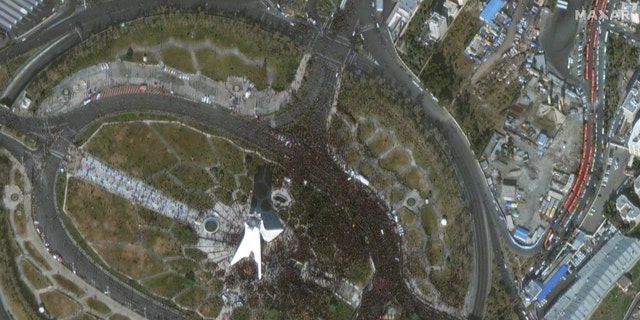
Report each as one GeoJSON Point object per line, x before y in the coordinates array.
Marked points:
{"type": "Point", "coordinates": [377, 43]}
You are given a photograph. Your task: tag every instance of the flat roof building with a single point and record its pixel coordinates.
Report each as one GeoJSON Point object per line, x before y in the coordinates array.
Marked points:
{"type": "Point", "coordinates": [630, 104]}
{"type": "Point", "coordinates": [596, 278]}
{"type": "Point", "coordinates": [634, 140]}
{"type": "Point", "coordinates": [437, 26]}
{"type": "Point", "coordinates": [551, 283]}
{"type": "Point", "coordinates": [490, 10]}
{"type": "Point", "coordinates": [400, 16]}
{"type": "Point", "coordinates": [628, 211]}
{"type": "Point", "coordinates": [521, 234]}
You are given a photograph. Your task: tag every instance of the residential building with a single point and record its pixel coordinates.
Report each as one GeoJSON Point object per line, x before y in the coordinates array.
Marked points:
{"type": "Point", "coordinates": [450, 9]}
{"type": "Point", "coordinates": [437, 26]}
{"type": "Point", "coordinates": [628, 211]}
{"type": "Point", "coordinates": [400, 16]}
{"type": "Point", "coordinates": [491, 10]}
{"type": "Point", "coordinates": [634, 140]}
{"type": "Point", "coordinates": [630, 104]}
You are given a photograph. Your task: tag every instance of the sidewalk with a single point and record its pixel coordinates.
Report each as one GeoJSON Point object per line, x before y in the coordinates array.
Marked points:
{"type": "Point", "coordinates": [236, 94]}
{"type": "Point", "coordinates": [32, 236]}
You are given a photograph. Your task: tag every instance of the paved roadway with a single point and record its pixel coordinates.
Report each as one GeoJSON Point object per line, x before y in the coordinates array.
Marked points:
{"type": "Point", "coordinates": [558, 36]}
{"type": "Point", "coordinates": [377, 43]}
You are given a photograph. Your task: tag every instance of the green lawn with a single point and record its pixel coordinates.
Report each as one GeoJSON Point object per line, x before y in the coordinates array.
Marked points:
{"type": "Point", "coordinates": [219, 67]}
{"type": "Point", "coordinates": [98, 306]}
{"type": "Point", "coordinates": [614, 305]}
{"type": "Point", "coordinates": [380, 143]}
{"type": "Point", "coordinates": [189, 144]}
{"type": "Point", "coordinates": [178, 58]}
{"type": "Point", "coordinates": [68, 285]}
{"type": "Point", "coordinates": [132, 147]}
{"type": "Point", "coordinates": [167, 285]}
{"type": "Point", "coordinates": [428, 219]}
{"type": "Point", "coordinates": [34, 275]}
{"type": "Point", "coordinates": [193, 177]}
{"type": "Point", "coordinates": [192, 297]}
{"type": "Point", "coordinates": [395, 160]}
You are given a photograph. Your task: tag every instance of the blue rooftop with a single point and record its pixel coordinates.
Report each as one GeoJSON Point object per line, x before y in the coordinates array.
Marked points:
{"type": "Point", "coordinates": [521, 233]}
{"type": "Point", "coordinates": [542, 139]}
{"type": "Point", "coordinates": [489, 12]}
{"type": "Point", "coordinates": [552, 282]}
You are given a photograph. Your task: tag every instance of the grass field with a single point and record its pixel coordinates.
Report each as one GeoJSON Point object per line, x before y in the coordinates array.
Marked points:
{"type": "Point", "coordinates": [132, 147]}
{"type": "Point", "coordinates": [68, 285]}
{"type": "Point", "coordinates": [195, 177]}
{"type": "Point", "coordinates": [85, 316]}
{"type": "Point", "coordinates": [98, 306]}
{"type": "Point", "coordinates": [20, 222]}
{"type": "Point", "coordinates": [100, 215]}
{"type": "Point", "coordinates": [414, 179]}
{"type": "Point", "coordinates": [160, 243]}
{"type": "Point", "coordinates": [151, 218]}
{"type": "Point", "coordinates": [189, 144]}
{"type": "Point", "coordinates": [413, 239]}
{"type": "Point", "coordinates": [429, 220]}
{"type": "Point", "coordinates": [365, 130]}
{"type": "Point", "coordinates": [138, 56]}
{"type": "Point", "coordinates": [169, 186]}
{"type": "Point", "coordinates": [35, 276]}
{"type": "Point", "coordinates": [379, 144]}
{"type": "Point", "coordinates": [211, 307]}
{"type": "Point", "coordinates": [183, 265]}
{"type": "Point", "coordinates": [219, 67]}
{"type": "Point", "coordinates": [434, 252]}
{"type": "Point", "coordinates": [118, 317]}
{"type": "Point", "coordinates": [178, 58]}
{"type": "Point", "coordinates": [395, 160]}
{"type": "Point", "coordinates": [35, 254]}
{"type": "Point", "coordinates": [131, 260]}
{"type": "Point", "coordinates": [407, 216]}
{"type": "Point", "coordinates": [58, 304]}
{"type": "Point", "coordinates": [229, 155]}
{"type": "Point", "coordinates": [167, 285]}
{"type": "Point", "coordinates": [614, 305]}
{"type": "Point", "coordinates": [192, 297]}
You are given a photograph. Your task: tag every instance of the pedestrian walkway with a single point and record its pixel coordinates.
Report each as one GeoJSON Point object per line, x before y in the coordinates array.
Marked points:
{"type": "Point", "coordinates": [32, 237]}
{"type": "Point", "coordinates": [92, 170]}
{"type": "Point", "coordinates": [236, 93]}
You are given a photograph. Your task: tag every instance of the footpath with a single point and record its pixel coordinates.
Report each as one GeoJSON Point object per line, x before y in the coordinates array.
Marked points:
{"type": "Point", "coordinates": [18, 201]}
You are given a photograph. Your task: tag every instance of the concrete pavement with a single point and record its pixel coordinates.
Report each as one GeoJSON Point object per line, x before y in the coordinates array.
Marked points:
{"type": "Point", "coordinates": [32, 236]}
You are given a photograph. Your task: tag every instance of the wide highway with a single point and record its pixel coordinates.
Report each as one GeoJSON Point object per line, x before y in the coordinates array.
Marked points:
{"type": "Point", "coordinates": [329, 47]}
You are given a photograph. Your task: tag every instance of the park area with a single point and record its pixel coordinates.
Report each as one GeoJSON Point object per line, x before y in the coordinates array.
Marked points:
{"type": "Point", "coordinates": [158, 255]}
{"type": "Point", "coordinates": [154, 251]}
{"type": "Point", "coordinates": [221, 46]}
{"type": "Point", "coordinates": [379, 135]}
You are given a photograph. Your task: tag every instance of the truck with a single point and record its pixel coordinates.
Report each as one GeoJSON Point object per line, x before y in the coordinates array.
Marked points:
{"type": "Point", "coordinates": [379, 6]}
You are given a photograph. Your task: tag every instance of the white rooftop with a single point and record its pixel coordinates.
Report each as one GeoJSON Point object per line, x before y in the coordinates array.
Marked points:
{"type": "Point", "coordinates": [634, 137]}
{"type": "Point", "coordinates": [250, 244]}
{"type": "Point", "coordinates": [631, 102]}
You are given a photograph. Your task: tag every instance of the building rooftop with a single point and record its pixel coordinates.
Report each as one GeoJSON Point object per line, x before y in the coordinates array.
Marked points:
{"type": "Point", "coordinates": [490, 10]}
{"type": "Point", "coordinates": [596, 278]}
{"type": "Point", "coordinates": [552, 282]}
{"type": "Point", "coordinates": [634, 137]}
{"type": "Point", "coordinates": [631, 103]}
{"type": "Point", "coordinates": [250, 244]}
{"type": "Point", "coordinates": [409, 5]}
{"type": "Point", "coordinates": [521, 233]}
{"type": "Point", "coordinates": [628, 211]}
